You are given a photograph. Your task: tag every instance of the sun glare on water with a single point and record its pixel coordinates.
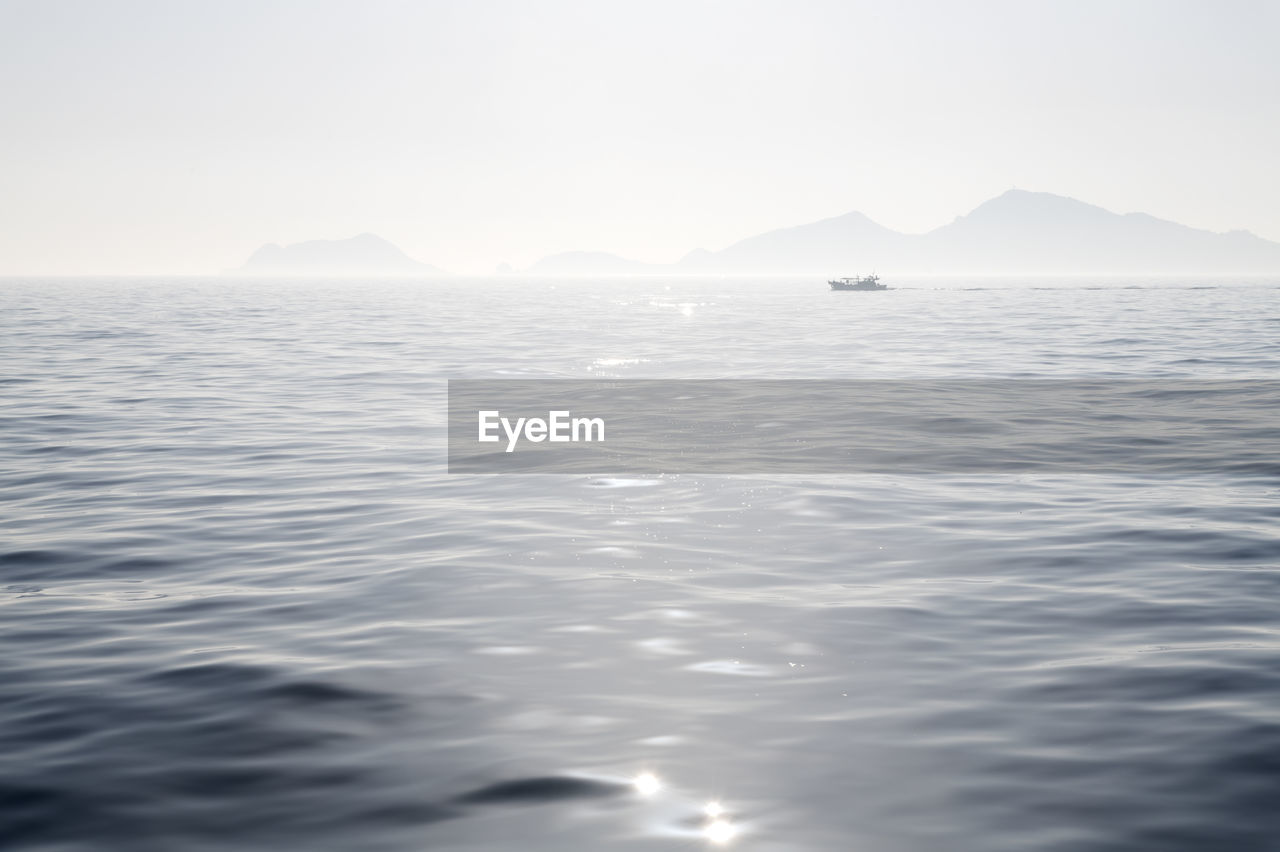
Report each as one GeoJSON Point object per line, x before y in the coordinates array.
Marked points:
{"type": "Point", "coordinates": [646, 784]}
{"type": "Point", "coordinates": [719, 831]}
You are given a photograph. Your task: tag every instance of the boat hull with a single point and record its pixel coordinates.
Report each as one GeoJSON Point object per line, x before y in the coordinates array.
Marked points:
{"type": "Point", "coordinates": [840, 285]}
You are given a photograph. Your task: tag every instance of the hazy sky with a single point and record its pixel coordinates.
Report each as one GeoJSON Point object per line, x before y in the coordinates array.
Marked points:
{"type": "Point", "coordinates": [177, 136]}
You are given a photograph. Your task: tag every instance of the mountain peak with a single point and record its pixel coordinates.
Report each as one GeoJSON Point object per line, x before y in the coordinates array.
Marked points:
{"type": "Point", "coordinates": [1018, 231]}
{"type": "Point", "coordinates": [365, 254]}
{"type": "Point", "coordinates": [1018, 203]}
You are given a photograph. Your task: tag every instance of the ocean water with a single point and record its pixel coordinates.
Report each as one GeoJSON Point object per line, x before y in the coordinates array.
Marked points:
{"type": "Point", "coordinates": [243, 606]}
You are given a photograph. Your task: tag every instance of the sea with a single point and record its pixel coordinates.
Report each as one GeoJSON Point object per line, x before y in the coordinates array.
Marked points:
{"type": "Point", "coordinates": [244, 605]}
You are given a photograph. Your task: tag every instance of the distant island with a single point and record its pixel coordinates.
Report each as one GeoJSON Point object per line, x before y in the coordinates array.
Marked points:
{"type": "Point", "coordinates": [1018, 232]}
{"type": "Point", "coordinates": [365, 254]}
{"type": "Point", "coordinates": [591, 263]}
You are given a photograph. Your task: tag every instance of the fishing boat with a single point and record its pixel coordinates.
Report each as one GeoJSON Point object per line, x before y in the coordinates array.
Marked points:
{"type": "Point", "coordinates": [866, 282]}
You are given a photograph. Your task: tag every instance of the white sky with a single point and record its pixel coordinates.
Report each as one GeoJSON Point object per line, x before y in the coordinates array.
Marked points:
{"type": "Point", "coordinates": [171, 136]}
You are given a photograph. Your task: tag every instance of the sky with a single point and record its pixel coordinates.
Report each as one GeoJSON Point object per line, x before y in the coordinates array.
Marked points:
{"type": "Point", "coordinates": [175, 137]}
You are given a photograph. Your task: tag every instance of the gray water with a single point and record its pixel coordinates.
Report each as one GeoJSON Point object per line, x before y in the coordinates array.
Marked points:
{"type": "Point", "coordinates": [244, 607]}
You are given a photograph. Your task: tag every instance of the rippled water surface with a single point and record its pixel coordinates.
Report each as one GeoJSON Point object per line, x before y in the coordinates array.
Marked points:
{"type": "Point", "coordinates": [243, 607]}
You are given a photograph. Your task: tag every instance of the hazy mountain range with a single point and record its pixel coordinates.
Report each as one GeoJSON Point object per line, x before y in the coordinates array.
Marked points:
{"type": "Point", "coordinates": [1018, 232]}
{"type": "Point", "coordinates": [363, 255]}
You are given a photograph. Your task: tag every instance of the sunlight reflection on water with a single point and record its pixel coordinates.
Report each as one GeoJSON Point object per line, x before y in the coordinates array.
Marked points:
{"type": "Point", "coordinates": [244, 608]}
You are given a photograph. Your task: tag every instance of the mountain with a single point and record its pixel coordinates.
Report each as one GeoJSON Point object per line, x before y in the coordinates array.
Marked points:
{"type": "Point", "coordinates": [361, 255]}
{"type": "Point", "coordinates": [1039, 232]}
{"type": "Point", "coordinates": [831, 244]}
{"type": "Point", "coordinates": [1018, 232]}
